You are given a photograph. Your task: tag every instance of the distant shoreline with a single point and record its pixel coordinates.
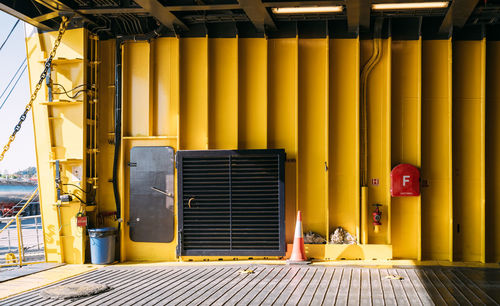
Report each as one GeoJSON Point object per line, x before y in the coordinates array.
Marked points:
{"type": "Point", "coordinates": [17, 183]}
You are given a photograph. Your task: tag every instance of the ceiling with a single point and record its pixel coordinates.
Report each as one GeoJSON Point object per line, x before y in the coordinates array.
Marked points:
{"type": "Point", "coordinates": [255, 18]}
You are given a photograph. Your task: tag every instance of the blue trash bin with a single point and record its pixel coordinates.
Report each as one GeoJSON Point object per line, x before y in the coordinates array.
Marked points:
{"type": "Point", "coordinates": [102, 245]}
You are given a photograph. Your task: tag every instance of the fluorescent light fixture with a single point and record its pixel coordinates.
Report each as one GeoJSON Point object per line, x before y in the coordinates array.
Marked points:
{"type": "Point", "coordinates": [409, 6]}
{"type": "Point", "coordinates": [308, 9]}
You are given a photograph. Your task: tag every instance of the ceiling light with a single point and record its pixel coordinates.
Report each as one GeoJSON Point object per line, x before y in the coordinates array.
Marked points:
{"type": "Point", "coordinates": [307, 9]}
{"type": "Point", "coordinates": [409, 6]}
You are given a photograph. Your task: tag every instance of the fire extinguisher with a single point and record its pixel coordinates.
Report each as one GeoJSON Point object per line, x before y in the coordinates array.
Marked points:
{"type": "Point", "coordinates": [377, 216]}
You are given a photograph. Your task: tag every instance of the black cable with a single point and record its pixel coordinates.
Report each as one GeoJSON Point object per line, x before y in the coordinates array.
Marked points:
{"type": "Point", "coordinates": [76, 187]}
{"type": "Point", "coordinates": [12, 78]}
{"type": "Point", "coordinates": [14, 86]}
{"type": "Point", "coordinates": [66, 92]}
{"type": "Point", "coordinates": [10, 33]}
{"type": "Point", "coordinates": [72, 194]}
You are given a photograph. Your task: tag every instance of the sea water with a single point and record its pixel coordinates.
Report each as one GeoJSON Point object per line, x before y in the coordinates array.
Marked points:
{"type": "Point", "coordinates": [13, 193]}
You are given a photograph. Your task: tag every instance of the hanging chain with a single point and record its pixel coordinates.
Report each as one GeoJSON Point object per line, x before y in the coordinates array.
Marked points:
{"type": "Point", "coordinates": [48, 63]}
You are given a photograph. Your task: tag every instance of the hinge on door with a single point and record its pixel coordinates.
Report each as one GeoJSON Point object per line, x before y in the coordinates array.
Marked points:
{"type": "Point", "coordinates": [131, 164]}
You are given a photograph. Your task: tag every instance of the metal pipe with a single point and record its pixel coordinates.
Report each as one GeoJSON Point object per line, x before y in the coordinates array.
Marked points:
{"type": "Point", "coordinates": [372, 62]}
{"type": "Point", "coordinates": [19, 242]}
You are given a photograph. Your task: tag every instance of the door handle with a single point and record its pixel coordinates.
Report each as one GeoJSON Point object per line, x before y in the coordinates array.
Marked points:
{"type": "Point", "coordinates": [168, 194]}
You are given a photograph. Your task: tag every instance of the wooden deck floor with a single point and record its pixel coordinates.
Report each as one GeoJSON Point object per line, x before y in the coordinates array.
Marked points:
{"type": "Point", "coordinates": [282, 285]}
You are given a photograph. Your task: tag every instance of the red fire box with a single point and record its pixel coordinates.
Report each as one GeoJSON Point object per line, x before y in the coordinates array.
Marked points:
{"type": "Point", "coordinates": [405, 181]}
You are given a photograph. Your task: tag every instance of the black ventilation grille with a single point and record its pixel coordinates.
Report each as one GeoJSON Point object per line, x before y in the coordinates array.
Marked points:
{"type": "Point", "coordinates": [231, 203]}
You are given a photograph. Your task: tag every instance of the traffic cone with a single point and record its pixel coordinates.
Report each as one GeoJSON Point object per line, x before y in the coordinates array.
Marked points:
{"type": "Point", "coordinates": [298, 250]}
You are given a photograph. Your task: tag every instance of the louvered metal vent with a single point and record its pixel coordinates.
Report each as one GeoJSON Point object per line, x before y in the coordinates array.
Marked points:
{"type": "Point", "coordinates": [231, 202]}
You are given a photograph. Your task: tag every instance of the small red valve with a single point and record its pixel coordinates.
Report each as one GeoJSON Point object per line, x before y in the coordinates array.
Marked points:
{"type": "Point", "coordinates": [377, 215]}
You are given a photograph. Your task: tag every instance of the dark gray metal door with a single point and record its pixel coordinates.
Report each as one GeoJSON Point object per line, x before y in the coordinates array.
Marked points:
{"type": "Point", "coordinates": [151, 194]}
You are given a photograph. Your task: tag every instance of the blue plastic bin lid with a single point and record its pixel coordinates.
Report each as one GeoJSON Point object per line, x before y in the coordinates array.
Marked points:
{"type": "Point", "coordinates": [102, 230]}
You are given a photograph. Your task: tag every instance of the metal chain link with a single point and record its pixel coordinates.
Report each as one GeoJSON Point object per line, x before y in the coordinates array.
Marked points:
{"type": "Point", "coordinates": [48, 63]}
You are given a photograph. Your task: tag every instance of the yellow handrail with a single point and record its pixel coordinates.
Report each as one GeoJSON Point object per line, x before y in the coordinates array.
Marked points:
{"type": "Point", "coordinates": [21, 210]}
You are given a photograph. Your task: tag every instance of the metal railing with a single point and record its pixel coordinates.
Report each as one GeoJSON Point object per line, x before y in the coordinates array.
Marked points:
{"type": "Point", "coordinates": [28, 239]}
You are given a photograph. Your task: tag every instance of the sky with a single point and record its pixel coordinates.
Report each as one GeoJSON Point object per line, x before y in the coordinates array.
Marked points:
{"type": "Point", "coordinates": [22, 151]}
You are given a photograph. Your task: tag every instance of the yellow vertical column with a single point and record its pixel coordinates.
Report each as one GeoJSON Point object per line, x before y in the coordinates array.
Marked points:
{"type": "Point", "coordinates": [379, 139]}
{"type": "Point", "coordinates": [492, 151]}
{"type": "Point", "coordinates": [223, 93]}
{"type": "Point", "coordinates": [469, 149]}
{"type": "Point", "coordinates": [137, 100]}
{"type": "Point", "coordinates": [312, 134]}
{"type": "Point", "coordinates": [406, 142]}
{"type": "Point", "coordinates": [252, 93]}
{"type": "Point", "coordinates": [158, 84]}
{"type": "Point", "coordinates": [194, 93]}
{"type": "Point", "coordinates": [282, 115]}
{"type": "Point", "coordinates": [344, 135]}
{"type": "Point", "coordinates": [437, 186]}
{"type": "Point", "coordinates": [166, 87]}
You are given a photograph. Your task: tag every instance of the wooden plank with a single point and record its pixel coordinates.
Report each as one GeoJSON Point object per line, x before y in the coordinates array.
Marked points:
{"type": "Point", "coordinates": [323, 286]}
{"type": "Point", "coordinates": [208, 282]}
{"type": "Point", "coordinates": [399, 291]}
{"type": "Point", "coordinates": [419, 287]}
{"type": "Point", "coordinates": [355, 287]}
{"type": "Point", "coordinates": [216, 294]}
{"type": "Point", "coordinates": [243, 280]}
{"type": "Point", "coordinates": [283, 274]}
{"type": "Point", "coordinates": [366, 288]}
{"type": "Point", "coordinates": [285, 283]}
{"type": "Point", "coordinates": [312, 287]}
{"type": "Point", "coordinates": [389, 297]}
{"type": "Point", "coordinates": [460, 285]}
{"type": "Point", "coordinates": [445, 294]}
{"type": "Point", "coordinates": [180, 283]}
{"type": "Point", "coordinates": [262, 275]}
{"type": "Point", "coordinates": [408, 287]}
{"type": "Point", "coordinates": [164, 283]}
{"type": "Point", "coordinates": [342, 295]}
{"type": "Point", "coordinates": [377, 293]}
{"type": "Point", "coordinates": [254, 292]}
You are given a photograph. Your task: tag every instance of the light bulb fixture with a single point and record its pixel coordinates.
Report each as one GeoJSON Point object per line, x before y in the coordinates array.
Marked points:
{"type": "Point", "coordinates": [308, 9]}
{"type": "Point", "coordinates": [409, 6]}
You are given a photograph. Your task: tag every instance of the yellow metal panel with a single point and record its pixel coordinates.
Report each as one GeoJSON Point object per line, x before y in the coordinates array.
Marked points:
{"type": "Point", "coordinates": [223, 93]}
{"type": "Point", "coordinates": [312, 129]}
{"type": "Point", "coordinates": [406, 148]}
{"type": "Point", "coordinates": [166, 86]}
{"type": "Point", "coordinates": [59, 134]}
{"type": "Point", "coordinates": [106, 126]}
{"type": "Point", "coordinates": [252, 93]}
{"type": "Point", "coordinates": [194, 93]}
{"type": "Point", "coordinates": [379, 138]}
{"type": "Point", "coordinates": [144, 251]}
{"type": "Point", "coordinates": [344, 135]}
{"type": "Point", "coordinates": [136, 83]}
{"type": "Point", "coordinates": [492, 151]}
{"type": "Point", "coordinates": [469, 149]}
{"type": "Point", "coordinates": [282, 115]}
{"type": "Point", "coordinates": [437, 191]}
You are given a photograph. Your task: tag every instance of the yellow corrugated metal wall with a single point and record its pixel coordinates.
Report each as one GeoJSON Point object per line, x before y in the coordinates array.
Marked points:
{"type": "Point", "coordinates": [430, 103]}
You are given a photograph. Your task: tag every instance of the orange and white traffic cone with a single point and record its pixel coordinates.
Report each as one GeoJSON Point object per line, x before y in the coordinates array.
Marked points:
{"type": "Point", "coordinates": [298, 251]}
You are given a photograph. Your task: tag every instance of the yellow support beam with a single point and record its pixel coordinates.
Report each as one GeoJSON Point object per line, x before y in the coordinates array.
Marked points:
{"type": "Point", "coordinates": [344, 178]}
{"type": "Point", "coordinates": [194, 93]}
{"type": "Point", "coordinates": [223, 93]}
{"type": "Point", "coordinates": [379, 140]}
{"type": "Point", "coordinates": [252, 93]}
{"type": "Point", "coordinates": [406, 142]}
{"type": "Point", "coordinates": [136, 89]}
{"type": "Point", "coordinates": [282, 115]}
{"type": "Point", "coordinates": [469, 149]}
{"type": "Point", "coordinates": [437, 185]}
{"type": "Point", "coordinates": [312, 133]}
